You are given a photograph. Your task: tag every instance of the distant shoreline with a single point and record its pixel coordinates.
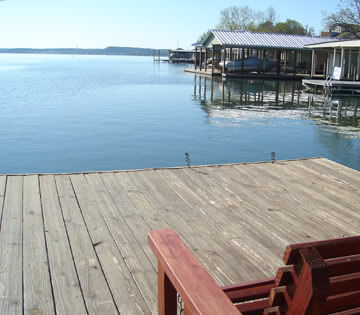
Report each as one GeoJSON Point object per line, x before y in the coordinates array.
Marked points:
{"type": "Point", "coordinates": [109, 51]}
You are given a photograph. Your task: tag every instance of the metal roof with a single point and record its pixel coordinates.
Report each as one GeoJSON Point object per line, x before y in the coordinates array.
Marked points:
{"type": "Point", "coordinates": [338, 44]}
{"type": "Point", "coordinates": [265, 40]}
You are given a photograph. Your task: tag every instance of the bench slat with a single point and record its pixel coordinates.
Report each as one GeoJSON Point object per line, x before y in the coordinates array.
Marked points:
{"type": "Point", "coordinates": [342, 265]}
{"type": "Point", "coordinates": [253, 308]}
{"type": "Point", "coordinates": [249, 290]}
{"type": "Point", "coordinates": [354, 311]}
{"type": "Point", "coordinates": [344, 283]}
{"type": "Point", "coordinates": [342, 302]}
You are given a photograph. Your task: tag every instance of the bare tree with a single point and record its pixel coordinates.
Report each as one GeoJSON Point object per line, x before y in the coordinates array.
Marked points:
{"type": "Point", "coordinates": [236, 18]}
{"type": "Point", "coordinates": [269, 16]}
{"type": "Point", "coordinates": [347, 17]}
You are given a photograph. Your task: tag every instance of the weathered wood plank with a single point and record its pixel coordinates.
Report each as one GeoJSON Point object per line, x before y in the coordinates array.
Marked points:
{"type": "Point", "coordinates": [123, 193]}
{"type": "Point", "coordinates": [237, 219]}
{"type": "Point", "coordinates": [272, 201]}
{"type": "Point", "coordinates": [93, 283]}
{"type": "Point", "coordinates": [216, 216]}
{"type": "Point", "coordinates": [135, 258]}
{"type": "Point", "coordinates": [247, 239]}
{"type": "Point", "coordinates": [2, 195]}
{"type": "Point", "coordinates": [128, 298]}
{"type": "Point", "coordinates": [180, 217]}
{"type": "Point", "coordinates": [38, 298]}
{"type": "Point", "coordinates": [317, 205]}
{"type": "Point", "coordinates": [67, 292]}
{"type": "Point", "coordinates": [11, 295]}
{"type": "Point", "coordinates": [280, 199]}
{"type": "Point", "coordinates": [171, 214]}
{"type": "Point", "coordinates": [345, 173]}
{"type": "Point", "coordinates": [331, 185]}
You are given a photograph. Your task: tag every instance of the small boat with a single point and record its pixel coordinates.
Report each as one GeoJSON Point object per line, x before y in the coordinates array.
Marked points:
{"type": "Point", "coordinates": [248, 65]}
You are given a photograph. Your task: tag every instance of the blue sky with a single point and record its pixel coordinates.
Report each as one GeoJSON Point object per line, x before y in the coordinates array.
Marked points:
{"type": "Point", "coordinates": [136, 23]}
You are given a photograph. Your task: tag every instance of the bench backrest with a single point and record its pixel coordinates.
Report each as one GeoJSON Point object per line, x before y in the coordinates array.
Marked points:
{"type": "Point", "coordinates": [329, 269]}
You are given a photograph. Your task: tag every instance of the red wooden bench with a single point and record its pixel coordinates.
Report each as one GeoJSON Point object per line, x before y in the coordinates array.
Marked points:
{"type": "Point", "coordinates": [318, 278]}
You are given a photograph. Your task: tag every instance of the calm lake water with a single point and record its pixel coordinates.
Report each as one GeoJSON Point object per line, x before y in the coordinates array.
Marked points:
{"type": "Point", "coordinates": [79, 113]}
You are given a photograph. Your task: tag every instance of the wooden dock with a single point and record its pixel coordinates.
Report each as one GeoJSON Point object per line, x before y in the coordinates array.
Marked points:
{"type": "Point", "coordinates": [352, 87]}
{"type": "Point", "coordinates": [208, 72]}
{"type": "Point", "coordinates": [246, 75]}
{"type": "Point", "coordinates": [76, 243]}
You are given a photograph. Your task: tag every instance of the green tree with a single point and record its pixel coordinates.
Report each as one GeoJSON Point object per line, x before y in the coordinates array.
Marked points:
{"type": "Point", "coordinates": [266, 27]}
{"type": "Point", "coordinates": [203, 36]}
{"type": "Point", "coordinates": [291, 27]}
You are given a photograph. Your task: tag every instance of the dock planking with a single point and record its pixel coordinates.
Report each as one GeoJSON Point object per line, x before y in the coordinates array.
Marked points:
{"type": "Point", "coordinates": [76, 243]}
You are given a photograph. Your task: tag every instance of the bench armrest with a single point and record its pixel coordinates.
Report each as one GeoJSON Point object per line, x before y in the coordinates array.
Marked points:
{"type": "Point", "coordinates": [181, 270]}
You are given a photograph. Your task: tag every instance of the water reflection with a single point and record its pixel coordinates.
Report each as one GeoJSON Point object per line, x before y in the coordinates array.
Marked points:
{"type": "Point", "coordinates": [282, 98]}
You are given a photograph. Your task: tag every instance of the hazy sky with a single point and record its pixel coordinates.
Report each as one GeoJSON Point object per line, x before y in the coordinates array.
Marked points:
{"type": "Point", "coordinates": [137, 23]}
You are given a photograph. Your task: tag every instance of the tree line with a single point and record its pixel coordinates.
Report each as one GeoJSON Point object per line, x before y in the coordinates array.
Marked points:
{"type": "Point", "coordinates": [245, 18]}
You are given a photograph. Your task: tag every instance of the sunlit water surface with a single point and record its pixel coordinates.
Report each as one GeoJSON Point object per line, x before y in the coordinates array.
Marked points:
{"type": "Point", "coordinates": [79, 113]}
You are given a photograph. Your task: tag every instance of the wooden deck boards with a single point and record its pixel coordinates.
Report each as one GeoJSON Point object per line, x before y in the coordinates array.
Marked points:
{"type": "Point", "coordinates": [76, 243]}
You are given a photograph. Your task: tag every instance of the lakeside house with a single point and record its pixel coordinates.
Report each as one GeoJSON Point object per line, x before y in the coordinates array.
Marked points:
{"type": "Point", "coordinates": [269, 55]}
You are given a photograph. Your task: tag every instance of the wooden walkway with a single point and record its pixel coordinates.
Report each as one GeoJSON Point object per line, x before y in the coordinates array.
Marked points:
{"type": "Point", "coordinates": [76, 243]}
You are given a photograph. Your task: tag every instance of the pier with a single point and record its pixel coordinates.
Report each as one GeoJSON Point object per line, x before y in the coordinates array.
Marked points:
{"type": "Point", "coordinates": [76, 243]}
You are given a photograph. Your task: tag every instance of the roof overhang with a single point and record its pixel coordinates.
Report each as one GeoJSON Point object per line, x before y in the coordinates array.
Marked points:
{"type": "Point", "coordinates": [246, 39]}
{"type": "Point", "coordinates": [336, 44]}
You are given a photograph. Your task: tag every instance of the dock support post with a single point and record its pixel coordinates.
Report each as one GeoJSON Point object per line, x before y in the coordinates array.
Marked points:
{"type": "Point", "coordinates": [358, 66]}
{"type": "Point", "coordinates": [242, 59]}
{"type": "Point", "coordinates": [195, 79]}
{"type": "Point", "coordinates": [212, 90]}
{"type": "Point", "coordinates": [342, 62]}
{"type": "Point", "coordinates": [278, 62]}
{"type": "Point", "coordinates": [205, 59]}
{"type": "Point", "coordinates": [195, 59]}
{"type": "Point", "coordinates": [348, 69]}
{"type": "Point", "coordinates": [295, 62]}
{"type": "Point", "coordinates": [205, 79]}
{"type": "Point", "coordinates": [334, 59]}
{"type": "Point", "coordinates": [200, 79]}
{"type": "Point", "coordinates": [313, 60]}
{"type": "Point", "coordinates": [326, 70]}
{"type": "Point", "coordinates": [200, 59]}
{"type": "Point", "coordinates": [224, 59]}
{"type": "Point", "coordinates": [213, 61]}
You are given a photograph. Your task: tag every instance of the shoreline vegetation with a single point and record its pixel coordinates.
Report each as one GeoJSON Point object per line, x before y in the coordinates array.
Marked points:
{"type": "Point", "coordinates": [112, 51]}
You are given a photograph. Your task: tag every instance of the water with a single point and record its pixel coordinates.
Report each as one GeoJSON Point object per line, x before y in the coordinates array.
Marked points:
{"type": "Point", "coordinates": [80, 113]}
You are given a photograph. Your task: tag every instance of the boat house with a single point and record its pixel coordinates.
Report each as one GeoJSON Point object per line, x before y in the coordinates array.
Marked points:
{"type": "Point", "coordinates": [181, 56]}
{"type": "Point", "coordinates": [344, 55]}
{"type": "Point", "coordinates": [265, 54]}
{"type": "Point", "coordinates": [340, 70]}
